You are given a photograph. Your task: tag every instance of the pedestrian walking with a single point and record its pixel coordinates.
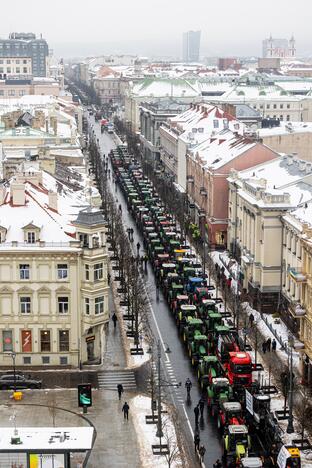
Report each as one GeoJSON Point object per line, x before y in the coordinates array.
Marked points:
{"type": "Point", "coordinates": [108, 278]}
{"type": "Point", "coordinates": [274, 345]}
{"type": "Point", "coordinates": [268, 345]}
{"type": "Point", "coordinates": [202, 452]}
{"type": "Point", "coordinates": [196, 412]}
{"type": "Point", "coordinates": [196, 441]}
{"type": "Point", "coordinates": [138, 246]}
{"type": "Point", "coordinates": [125, 410]}
{"type": "Point", "coordinates": [120, 390]}
{"type": "Point", "coordinates": [201, 405]}
{"type": "Point", "coordinates": [145, 262]}
{"type": "Point", "coordinates": [264, 344]}
{"type": "Point", "coordinates": [131, 234]}
{"type": "Point", "coordinates": [217, 464]}
{"type": "Point", "coordinates": [114, 319]}
{"type": "Point", "coordinates": [120, 208]}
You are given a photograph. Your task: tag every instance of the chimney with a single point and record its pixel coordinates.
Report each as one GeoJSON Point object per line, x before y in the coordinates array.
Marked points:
{"type": "Point", "coordinates": [290, 159]}
{"type": "Point", "coordinates": [2, 194]}
{"type": "Point", "coordinates": [52, 200]}
{"type": "Point", "coordinates": [302, 165]}
{"type": "Point", "coordinates": [17, 194]}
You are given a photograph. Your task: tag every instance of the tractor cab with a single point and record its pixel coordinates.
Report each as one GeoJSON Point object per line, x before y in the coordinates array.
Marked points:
{"type": "Point", "coordinates": [198, 348]}
{"type": "Point", "coordinates": [260, 407]}
{"type": "Point", "coordinates": [173, 245]}
{"type": "Point", "coordinates": [226, 342]}
{"type": "Point", "coordinates": [179, 300]}
{"type": "Point", "coordinates": [201, 294]}
{"type": "Point", "coordinates": [168, 268]}
{"type": "Point", "coordinates": [186, 310]}
{"type": "Point", "coordinates": [239, 369]}
{"type": "Point", "coordinates": [195, 282]}
{"type": "Point", "coordinates": [193, 326]}
{"type": "Point", "coordinates": [208, 369]}
{"type": "Point", "coordinates": [188, 271]}
{"type": "Point", "coordinates": [212, 320]}
{"type": "Point", "coordinates": [236, 443]}
{"type": "Point", "coordinates": [208, 305]}
{"type": "Point", "coordinates": [230, 414]}
{"type": "Point", "coordinates": [251, 462]}
{"type": "Point", "coordinates": [218, 391]}
{"type": "Point", "coordinates": [175, 289]}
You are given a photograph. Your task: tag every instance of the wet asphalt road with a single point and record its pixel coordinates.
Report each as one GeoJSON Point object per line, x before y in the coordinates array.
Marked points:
{"type": "Point", "coordinates": [176, 364]}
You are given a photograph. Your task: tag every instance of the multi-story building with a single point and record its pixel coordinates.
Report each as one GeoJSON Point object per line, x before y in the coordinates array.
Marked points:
{"type": "Point", "coordinates": [106, 84]}
{"type": "Point", "coordinates": [191, 46]}
{"type": "Point", "coordinates": [53, 273]}
{"type": "Point", "coordinates": [25, 46]}
{"type": "Point", "coordinates": [152, 115]}
{"type": "Point", "coordinates": [208, 166]}
{"type": "Point", "coordinates": [258, 199]}
{"type": "Point", "coordinates": [15, 66]}
{"type": "Point", "coordinates": [279, 48]}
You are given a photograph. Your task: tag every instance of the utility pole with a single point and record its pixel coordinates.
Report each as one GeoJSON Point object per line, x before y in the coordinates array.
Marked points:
{"type": "Point", "coordinates": [290, 426]}
{"type": "Point", "coordinates": [159, 432]}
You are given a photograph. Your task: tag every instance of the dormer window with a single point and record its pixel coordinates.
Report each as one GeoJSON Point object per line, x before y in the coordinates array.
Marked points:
{"type": "Point", "coordinates": [31, 237]}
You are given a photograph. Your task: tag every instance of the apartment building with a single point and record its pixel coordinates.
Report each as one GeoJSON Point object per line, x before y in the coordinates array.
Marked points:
{"type": "Point", "coordinates": [53, 273]}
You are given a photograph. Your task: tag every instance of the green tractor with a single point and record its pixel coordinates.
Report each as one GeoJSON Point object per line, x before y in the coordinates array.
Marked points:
{"type": "Point", "coordinates": [186, 310]}
{"type": "Point", "coordinates": [206, 306]}
{"type": "Point", "coordinates": [219, 390]}
{"type": "Point", "coordinates": [179, 300]}
{"type": "Point", "coordinates": [236, 443]}
{"type": "Point", "coordinates": [212, 321]}
{"type": "Point", "coordinates": [172, 288]}
{"type": "Point", "coordinates": [208, 369]}
{"type": "Point", "coordinates": [192, 327]}
{"type": "Point", "coordinates": [198, 348]}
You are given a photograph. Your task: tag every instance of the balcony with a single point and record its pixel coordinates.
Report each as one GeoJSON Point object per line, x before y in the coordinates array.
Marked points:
{"type": "Point", "coordinates": [296, 309]}
{"type": "Point", "coordinates": [203, 191]}
{"type": "Point", "coordinates": [297, 275]}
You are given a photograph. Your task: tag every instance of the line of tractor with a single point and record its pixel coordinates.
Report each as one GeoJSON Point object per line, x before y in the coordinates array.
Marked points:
{"type": "Point", "coordinates": [250, 434]}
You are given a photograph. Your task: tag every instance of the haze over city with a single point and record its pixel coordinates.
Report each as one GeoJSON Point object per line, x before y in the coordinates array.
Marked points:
{"type": "Point", "coordinates": [154, 28]}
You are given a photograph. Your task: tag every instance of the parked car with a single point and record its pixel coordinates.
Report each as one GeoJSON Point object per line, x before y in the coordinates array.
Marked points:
{"type": "Point", "coordinates": [22, 381]}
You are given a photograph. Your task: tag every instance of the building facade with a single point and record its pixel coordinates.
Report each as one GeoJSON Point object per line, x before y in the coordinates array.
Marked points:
{"type": "Point", "coordinates": [191, 46]}
{"type": "Point", "coordinates": [53, 270]}
{"type": "Point", "coordinates": [279, 48]}
{"type": "Point", "coordinates": [26, 46]}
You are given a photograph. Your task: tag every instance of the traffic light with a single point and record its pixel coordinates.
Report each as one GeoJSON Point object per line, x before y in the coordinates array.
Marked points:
{"type": "Point", "coordinates": [84, 395]}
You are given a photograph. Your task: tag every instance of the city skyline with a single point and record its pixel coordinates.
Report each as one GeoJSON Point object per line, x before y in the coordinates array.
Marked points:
{"type": "Point", "coordinates": [114, 34]}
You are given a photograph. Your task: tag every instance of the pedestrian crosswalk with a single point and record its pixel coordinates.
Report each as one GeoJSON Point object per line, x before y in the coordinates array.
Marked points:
{"type": "Point", "coordinates": [110, 379]}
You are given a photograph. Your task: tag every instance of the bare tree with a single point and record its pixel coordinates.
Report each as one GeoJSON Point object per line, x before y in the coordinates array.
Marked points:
{"type": "Point", "coordinates": [170, 437]}
{"type": "Point", "coordinates": [52, 406]}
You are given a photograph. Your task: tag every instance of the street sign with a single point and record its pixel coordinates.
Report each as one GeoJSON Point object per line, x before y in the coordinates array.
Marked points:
{"type": "Point", "coordinates": [249, 402]}
{"type": "Point", "coordinates": [84, 395]}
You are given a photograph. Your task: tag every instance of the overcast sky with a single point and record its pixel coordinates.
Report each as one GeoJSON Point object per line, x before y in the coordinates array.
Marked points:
{"type": "Point", "coordinates": [155, 27]}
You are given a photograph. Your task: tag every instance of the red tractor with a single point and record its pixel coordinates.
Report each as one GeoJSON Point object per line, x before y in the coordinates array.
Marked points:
{"type": "Point", "coordinates": [239, 369]}
{"type": "Point", "coordinates": [230, 413]}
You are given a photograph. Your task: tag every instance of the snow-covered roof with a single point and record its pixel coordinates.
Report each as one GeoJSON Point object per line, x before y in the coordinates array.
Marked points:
{"type": "Point", "coordinates": [164, 87]}
{"type": "Point", "coordinates": [218, 150]}
{"type": "Point", "coordinates": [55, 225]}
{"type": "Point", "coordinates": [286, 128]}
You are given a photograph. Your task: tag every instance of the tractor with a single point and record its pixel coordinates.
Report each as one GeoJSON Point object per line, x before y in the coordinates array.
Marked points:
{"type": "Point", "coordinates": [198, 348]}
{"type": "Point", "coordinates": [193, 326]}
{"type": "Point", "coordinates": [179, 300]}
{"type": "Point", "coordinates": [236, 443]}
{"type": "Point", "coordinates": [218, 390]}
{"type": "Point", "coordinates": [230, 413]}
{"type": "Point", "coordinates": [208, 368]}
{"type": "Point", "coordinates": [186, 310]}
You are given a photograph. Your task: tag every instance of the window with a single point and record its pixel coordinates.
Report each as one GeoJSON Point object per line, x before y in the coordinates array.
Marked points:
{"type": "Point", "coordinates": [99, 305]}
{"type": "Point", "coordinates": [31, 237]}
{"type": "Point", "coordinates": [64, 340]}
{"type": "Point", "coordinates": [21, 92]}
{"type": "Point", "coordinates": [26, 360]}
{"type": "Point", "coordinates": [24, 62]}
{"type": "Point", "coordinates": [62, 305]}
{"type": "Point", "coordinates": [45, 360]}
{"type": "Point", "coordinates": [7, 340]}
{"type": "Point", "coordinates": [25, 305]}
{"type": "Point", "coordinates": [1, 69]}
{"type": "Point", "coordinates": [281, 106]}
{"type": "Point", "coordinates": [98, 271]}
{"type": "Point", "coordinates": [274, 106]}
{"type": "Point", "coordinates": [261, 106]}
{"type": "Point", "coordinates": [62, 271]}
{"type": "Point", "coordinates": [45, 340]}
{"type": "Point", "coordinates": [288, 118]}
{"type": "Point", "coordinates": [288, 106]}
{"type": "Point", "coordinates": [87, 306]}
{"type": "Point", "coordinates": [1, 92]}
{"type": "Point", "coordinates": [216, 124]}
{"type": "Point", "coordinates": [281, 117]}
{"type": "Point", "coordinates": [24, 272]}
{"type": "Point", "coordinates": [63, 360]}
{"type": "Point", "coordinates": [17, 62]}
{"type": "Point", "coordinates": [8, 62]}
{"type": "Point", "coordinates": [87, 272]}
{"type": "Point", "coordinates": [11, 92]}
{"type": "Point", "coordinates": [24, 69]}
{"type": "Point", "coordinates": [268, 106]}
{"type": "Point", "coordinates": [18, 70]}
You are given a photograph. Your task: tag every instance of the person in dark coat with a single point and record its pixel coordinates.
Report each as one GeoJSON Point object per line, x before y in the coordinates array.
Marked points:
{"type": "Point", "coordinates": [196, 441]}
{"type": "Point", "coordinates": [274, 345]}
{"type": "Point", "coordinates": [268, 345]}
{"type": "Point", "coordinates": [125, 410]}
{"type": "Point", "coordinates": [120, 390]}
{"type": "Point", "coordinates": [264, 345]}
{"type": "Point", "coordinates": [196, 412]}
{"type": "Point", "coordinates": [202, 452]}
{"type": "Point", "coordinates": [251, 319]}
{"type": "Point", "coordinates": [114, 319]}
{"type": "Point", "coordinates": [201, 405]}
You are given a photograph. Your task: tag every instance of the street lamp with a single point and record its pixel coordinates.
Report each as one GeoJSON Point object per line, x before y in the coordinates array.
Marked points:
{"type": "Point", "coordinates": [290, 427]}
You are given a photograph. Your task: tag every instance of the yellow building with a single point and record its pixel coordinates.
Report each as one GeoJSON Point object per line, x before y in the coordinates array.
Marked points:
{"type": "Point", "coordinates": [53, 274]}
